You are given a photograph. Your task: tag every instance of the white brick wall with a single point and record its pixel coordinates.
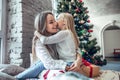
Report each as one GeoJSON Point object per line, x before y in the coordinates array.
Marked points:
{"type": "Point", "coordinates": [14, 29]}
{"type": "Point", "coordinates": [20, 29]}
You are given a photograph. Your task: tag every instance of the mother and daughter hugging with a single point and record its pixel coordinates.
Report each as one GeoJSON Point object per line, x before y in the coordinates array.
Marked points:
{"type": "Point", "coordinates": [56, 45]}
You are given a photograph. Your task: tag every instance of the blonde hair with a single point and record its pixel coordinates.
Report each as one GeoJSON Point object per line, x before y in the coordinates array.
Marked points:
{"type": "Point", "coordinates": [70, 25]}
{"type": "Point", "coordinates": [40, 26]}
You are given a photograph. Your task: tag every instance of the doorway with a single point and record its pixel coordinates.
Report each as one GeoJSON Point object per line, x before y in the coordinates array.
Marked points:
{"type": "Point", "coordinates": [110, 39]}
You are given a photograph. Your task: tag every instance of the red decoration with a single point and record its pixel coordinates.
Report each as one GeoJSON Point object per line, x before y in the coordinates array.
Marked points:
{"type": "Point", "coordinates": [90, 30]}
{"type": "Point", "coordinates": [77, 10]}
{"type": "Point", "coordinates": [80, 0]}
{"type": "Point", "coordinates": [85, 62]}
{"type": "Point", "coordinates": [88, 64]}
{"type": "Point", "coordinates": [86, 11]}
{"type": "Point", "coordinates": [88, 21]}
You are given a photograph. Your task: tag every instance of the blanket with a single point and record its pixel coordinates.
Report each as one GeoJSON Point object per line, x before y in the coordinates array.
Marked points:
{"type": "Point", "coordinates": [61, 75]}
{"type": "Point", "coordinates": [12, 70]}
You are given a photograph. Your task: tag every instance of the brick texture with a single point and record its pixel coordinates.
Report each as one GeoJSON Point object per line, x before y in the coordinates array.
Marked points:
{"type": "Point", "coordinates": [20, 29]}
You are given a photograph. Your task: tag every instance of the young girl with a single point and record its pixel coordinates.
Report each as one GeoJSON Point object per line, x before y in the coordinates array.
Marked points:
{"type": "Point", "coordinates": [67, 43]}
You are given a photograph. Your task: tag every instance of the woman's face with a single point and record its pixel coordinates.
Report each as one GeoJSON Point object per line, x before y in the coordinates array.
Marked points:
{"type": "Point", "coordinates": [51, 24]}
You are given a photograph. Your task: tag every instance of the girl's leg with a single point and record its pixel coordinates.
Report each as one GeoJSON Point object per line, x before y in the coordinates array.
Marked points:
{"type": "Point", "coordinates": [31, 72]}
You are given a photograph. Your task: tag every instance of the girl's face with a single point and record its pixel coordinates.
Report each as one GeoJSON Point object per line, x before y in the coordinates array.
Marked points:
{"type": "Point", "coordinates": [61, 23]}
{"type": "Point", "coordinates": [51, 24]}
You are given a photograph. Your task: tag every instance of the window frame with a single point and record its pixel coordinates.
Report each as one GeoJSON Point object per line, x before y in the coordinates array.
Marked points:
{"type": "Point", "coordinates": [3, 31]}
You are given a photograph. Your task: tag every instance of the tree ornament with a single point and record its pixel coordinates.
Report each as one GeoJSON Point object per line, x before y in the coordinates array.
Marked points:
{"type": "Point", "coordinates": [80, 0]}
{"type": "Point", "coordinates": [84, 42]}
{"type": "Point", "coordinates": [77, 10]}
{"type": "Point", "coordinates": [88, 21]}
{"type": "Point", "coordinates": [86, 11]}
{"type": "Point", "coordinates": [75, 14]}
{"type": "Point", "coordinates": [62, 6]}
{"type": "Point", "coordinates": [72, 1]}
{"type": "Point", "coordinates": [90, 30]}
{"type": "Point", "coordinates": [82, 21]}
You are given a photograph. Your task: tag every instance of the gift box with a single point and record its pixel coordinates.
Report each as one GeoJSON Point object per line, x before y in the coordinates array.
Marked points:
{"type": "Point", "coordinates": [90, 70]}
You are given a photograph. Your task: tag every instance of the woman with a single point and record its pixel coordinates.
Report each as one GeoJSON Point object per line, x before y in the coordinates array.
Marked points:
{"type": "Point", "coordinates": [46, 25]}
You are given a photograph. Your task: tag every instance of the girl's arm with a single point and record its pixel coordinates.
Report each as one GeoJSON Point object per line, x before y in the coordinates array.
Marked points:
{"type": "Point", "coordinates": [77, 63]}
{"type": "Point", "coordinates": [56, 38]}
{"type": "Point", "coordinates": [47, 60]}
{"type": "Point", "coordinates": [79, 57]}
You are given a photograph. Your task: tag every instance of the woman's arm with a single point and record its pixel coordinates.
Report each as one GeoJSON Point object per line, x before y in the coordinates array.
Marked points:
{"type": "Point", "coordinates": [56, 38]}
{"type": "Point", "coordinates": [48, 61]}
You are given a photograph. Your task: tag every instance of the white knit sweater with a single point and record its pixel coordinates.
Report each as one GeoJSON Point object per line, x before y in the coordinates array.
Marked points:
{"type": "Point", "coordinates": [43, 54]}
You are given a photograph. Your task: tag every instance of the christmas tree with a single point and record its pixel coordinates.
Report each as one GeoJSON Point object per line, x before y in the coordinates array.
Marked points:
{"type": "Point", "coordinates": [83, 28]}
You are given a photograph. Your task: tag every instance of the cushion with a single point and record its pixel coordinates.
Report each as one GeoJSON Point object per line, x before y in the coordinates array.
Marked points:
{"type": "Point", "coordinates": [11, 69]}
{"type": "Point", "coordinates": [4, 76]}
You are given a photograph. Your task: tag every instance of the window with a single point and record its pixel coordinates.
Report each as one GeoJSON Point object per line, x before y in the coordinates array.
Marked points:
{"type": "Point", "coordinates": [2, 29]}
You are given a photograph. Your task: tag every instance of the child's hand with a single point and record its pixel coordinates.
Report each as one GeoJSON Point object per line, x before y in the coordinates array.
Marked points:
{"type": "Point", "coordinates": [75, 66]}
{"type": "Point", "coordinates": [67, 68]}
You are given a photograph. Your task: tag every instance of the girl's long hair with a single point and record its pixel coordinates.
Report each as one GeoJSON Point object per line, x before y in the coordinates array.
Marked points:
{"type": "Point", "coordinates": [70, 25]}
{"type": "Point", "coordinates": [40, 26]}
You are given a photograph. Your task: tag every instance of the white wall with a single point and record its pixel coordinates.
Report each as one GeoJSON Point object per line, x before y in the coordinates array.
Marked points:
{"type": "Point", "coordinates": [111, 41]}
{"type": "Point", "coordinates": [102, 14]}
{"type": "Point", "coordinates": [100, 24]}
